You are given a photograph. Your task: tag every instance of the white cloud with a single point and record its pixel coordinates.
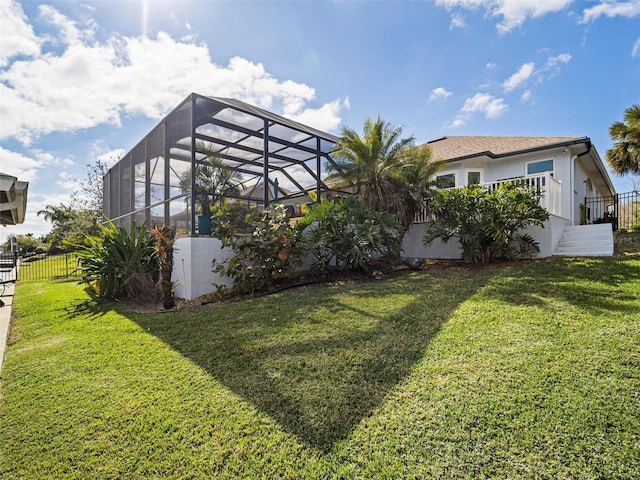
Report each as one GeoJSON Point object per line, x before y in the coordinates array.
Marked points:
{"type": "Point", "coordinates": [488, 105]}
{"type": "Point", "coordinates": [490, 65]}
{"type": "Point", "coordinates": [325, 118]}
{"type": "Point", "coordinates": [110, 157]}
{"type": "Point", "coordinates": [520, 77]}
{"type": "Point", "coordinates": [528, 71]}
{"type": "Point", "coordinates": [635, 51]}
{"type": "Point", "coordinates": [457, 21]}
{"type": "Point", "coordinates": [526, 95]}
{"type": "Point", "coordinates": [611, 9]}
{"type": "Point", "coordinates": [17, 35]}
{"type": "Point", "coordinates": [513, 12]}
{"type": "Point", "coordinates": [19, 165]}
{"type": "Point", "coordinates": [94, 82]}
{"type": "Point", "coordinates": [554, 61]}
{"type": "Point", "coordinates": [438, 93]}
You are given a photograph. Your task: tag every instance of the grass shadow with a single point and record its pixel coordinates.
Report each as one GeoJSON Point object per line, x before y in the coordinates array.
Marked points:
{"type": "Point", "coordinates": [319, 359]}
{"type": "Point", "coordinates": [597, 285]}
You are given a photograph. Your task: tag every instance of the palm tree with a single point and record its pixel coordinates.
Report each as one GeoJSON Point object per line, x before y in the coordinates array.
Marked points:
{"type": "Point", "coordinates": [388, 171]}
{"type": "Point", "coordinates": [213, 179]}
{"type": "Point", "coordinates": [57, 215]}
{"type": "Point", "coordinates": [164, 253]}
{"type": "Point", "coordinates": [415, 182]}
{"type": "Point", "coordinates": [624, 156]}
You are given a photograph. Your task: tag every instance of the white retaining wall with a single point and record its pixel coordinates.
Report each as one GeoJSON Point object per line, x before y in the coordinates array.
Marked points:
{"type": "Point", "coordinates": [192, 266]}
{"type": "Point", "coordinates": [547, 238]}
{"type": "Point", "coordinates": [193, 256]}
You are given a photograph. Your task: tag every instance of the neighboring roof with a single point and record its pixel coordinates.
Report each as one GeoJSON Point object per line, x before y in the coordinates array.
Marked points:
{"type": "Point", "coordinates": [13, 200]}
{"type": "Point", "coordinates": [462, 147]}
{"type": "Point", "coordinates": [256, 192]}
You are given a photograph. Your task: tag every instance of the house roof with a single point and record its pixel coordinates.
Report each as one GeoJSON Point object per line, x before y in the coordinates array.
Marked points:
{"type": "Point", "coordinates": [457, 148]}
{"type": "Point", "coordinates": [462, 147]}
{"type": "Point", "coordinates": [13, 200]}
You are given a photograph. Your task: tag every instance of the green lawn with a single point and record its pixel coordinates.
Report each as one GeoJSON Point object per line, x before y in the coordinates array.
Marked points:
{"type": "Point", "coordinates": [530, 371]}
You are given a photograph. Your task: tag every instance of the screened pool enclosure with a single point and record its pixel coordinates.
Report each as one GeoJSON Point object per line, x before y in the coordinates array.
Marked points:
{"type": "Point", "coordinates": [210, 150]}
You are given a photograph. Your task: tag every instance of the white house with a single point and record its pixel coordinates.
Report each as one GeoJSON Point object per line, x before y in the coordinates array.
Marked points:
{"type": "Point", "coordinates": [568, 170]}
{"type": "Point", "coordinates": [156, 182]}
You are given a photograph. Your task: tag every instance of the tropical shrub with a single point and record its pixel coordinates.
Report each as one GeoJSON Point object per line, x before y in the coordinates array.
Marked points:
{"type": "Point", "coordinates": [345, 235]}
{"type": "Point", "coordinates": [487, 223]}
{"type": "Point", "coordinates": [266, 247]}
{"type": "Point", "coordinates": [118, 262]}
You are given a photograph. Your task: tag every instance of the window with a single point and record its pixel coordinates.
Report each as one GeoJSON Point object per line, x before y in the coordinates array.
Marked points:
{"type": "Point", "coordinates": [475, 176]}
{"type": "Point", "coordinates": [446, 180]}
{"type": "Point", "coordinates": [534, 168]}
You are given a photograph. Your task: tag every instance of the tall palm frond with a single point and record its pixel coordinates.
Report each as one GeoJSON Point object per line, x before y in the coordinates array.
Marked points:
{"type": "Point", "coordinates": [624, 156]}
{"type": "Point", "coordinates": [389, 172]}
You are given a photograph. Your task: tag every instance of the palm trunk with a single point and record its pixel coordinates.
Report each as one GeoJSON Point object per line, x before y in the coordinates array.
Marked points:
{"type": "Point", "coordinates": [164, 251]}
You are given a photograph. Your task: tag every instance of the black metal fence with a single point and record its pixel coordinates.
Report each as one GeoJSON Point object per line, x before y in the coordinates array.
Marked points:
{"type": "Point", "coordinates": [621, 210]}
{"type": "Point", "coordinates": [44, 266]}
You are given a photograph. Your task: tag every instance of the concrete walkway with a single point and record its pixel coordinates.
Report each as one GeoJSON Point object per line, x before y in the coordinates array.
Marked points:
{"type": "Point", "coordinates": [5, 318]}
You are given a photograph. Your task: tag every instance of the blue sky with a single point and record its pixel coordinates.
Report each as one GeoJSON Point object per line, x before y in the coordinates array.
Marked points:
{"type": "Point", "coordinates": [81, 80]}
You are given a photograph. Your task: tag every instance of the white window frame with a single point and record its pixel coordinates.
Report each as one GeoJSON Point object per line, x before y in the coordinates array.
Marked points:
{"type": "Point", "coordinates": [444, 174]}
{"type": "Point", "coordinates": [526, 167]}
{"type": "Point", "coordinates": [472, 169]}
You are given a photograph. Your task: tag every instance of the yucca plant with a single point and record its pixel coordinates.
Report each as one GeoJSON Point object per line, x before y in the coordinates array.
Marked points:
{"type": "Point", "coordinates": [118, 262]}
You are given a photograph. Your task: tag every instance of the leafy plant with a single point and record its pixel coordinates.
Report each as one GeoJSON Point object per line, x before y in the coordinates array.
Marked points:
{"type": "Point", "coordinates": [345, 235]}
{"type": "Point", "coordinates": [266, 246]}
{"type": "Point", "coordinates": [487, 223]}
{"type": "Point", "coordinates": [118, 262]}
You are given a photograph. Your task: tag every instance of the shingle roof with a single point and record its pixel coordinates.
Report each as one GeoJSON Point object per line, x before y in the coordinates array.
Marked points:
{"type": "Point", "coordinates": [448, 148]}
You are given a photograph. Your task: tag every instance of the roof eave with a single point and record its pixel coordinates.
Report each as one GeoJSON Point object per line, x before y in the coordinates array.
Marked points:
{"type": "Point", "coordinates": [488, 153]}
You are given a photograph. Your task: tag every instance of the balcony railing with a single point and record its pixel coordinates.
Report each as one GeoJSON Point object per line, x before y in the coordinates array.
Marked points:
{"type": "Point", "coordinates": [550, 188]}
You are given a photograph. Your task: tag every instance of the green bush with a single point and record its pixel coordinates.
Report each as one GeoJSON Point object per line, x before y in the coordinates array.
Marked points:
{"type": "Point", "coordinates": [487, 223]}
{"type": "Point", "coordinates": [266, 246]}
{"type": "Point", "coordinates": [344, 235]}
{"type": "Point", "coordinates": [118, 262]}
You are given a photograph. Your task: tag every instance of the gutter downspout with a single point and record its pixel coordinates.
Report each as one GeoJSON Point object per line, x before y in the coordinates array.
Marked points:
{"type": "Point", "coordinates": [572, 165]}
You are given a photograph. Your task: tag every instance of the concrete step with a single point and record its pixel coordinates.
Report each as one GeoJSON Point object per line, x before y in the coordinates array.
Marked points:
{"type": "Point", "coordinates": [582, 252]}
{"type": "Point", "coordinates": [603, 227]}
{"type": "Point", "coordinates": [582, 243]}
{"type": "Point", "coordinates": [586, 240]}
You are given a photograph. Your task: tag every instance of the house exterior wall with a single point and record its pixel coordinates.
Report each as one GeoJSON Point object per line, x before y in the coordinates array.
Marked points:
{"type": "Point", "coordinates": [579, 190]}
{"type": "Point", "coordinates": [515, 166]}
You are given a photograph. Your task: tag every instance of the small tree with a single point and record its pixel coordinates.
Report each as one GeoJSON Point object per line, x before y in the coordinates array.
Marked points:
{"type": "Point", "coordinates": [487, 223]}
